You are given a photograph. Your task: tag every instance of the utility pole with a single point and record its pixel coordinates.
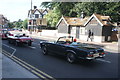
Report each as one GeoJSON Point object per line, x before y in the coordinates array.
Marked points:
{"type": "Point", "coordinates": [31, 4]}
{"type": "Point", "coordinates": [31, 18]}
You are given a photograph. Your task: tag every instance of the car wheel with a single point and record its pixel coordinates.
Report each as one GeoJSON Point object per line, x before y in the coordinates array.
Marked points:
{"type": "Point", "coordinates": [9, 41]}
{"type": "Point", "coordinates": [16, 43]}
{"type": "Point", "coordinates": [71, 58]}
{"type": "Point", "coordinates": [29, 43]}
{"type": "Point", "coordinates": [44, 50]}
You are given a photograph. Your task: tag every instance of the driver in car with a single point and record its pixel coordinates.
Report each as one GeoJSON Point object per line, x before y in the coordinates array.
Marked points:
{"type": "Point", "coordinates": [74, 42]}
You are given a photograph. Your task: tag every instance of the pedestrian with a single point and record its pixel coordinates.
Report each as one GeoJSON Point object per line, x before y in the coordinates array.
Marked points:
{"type": "Point", "coordinates": [92, 36]}
{"type": "Point", "coordinates": [89, 35]}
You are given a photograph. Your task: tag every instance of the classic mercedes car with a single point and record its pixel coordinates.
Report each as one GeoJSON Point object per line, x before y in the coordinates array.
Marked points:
{"type": "Point", "coordinates": [19, 39]}
{"type": "Point", "coordinates": [64, 46]}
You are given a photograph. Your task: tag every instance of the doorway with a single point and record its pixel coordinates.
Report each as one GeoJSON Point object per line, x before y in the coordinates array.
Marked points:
{"type": "Point", "coordinates": [77, 32]}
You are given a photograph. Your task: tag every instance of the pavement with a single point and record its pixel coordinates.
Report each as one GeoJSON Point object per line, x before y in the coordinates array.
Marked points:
{"type": "Point", "coordinates": [10, 69]}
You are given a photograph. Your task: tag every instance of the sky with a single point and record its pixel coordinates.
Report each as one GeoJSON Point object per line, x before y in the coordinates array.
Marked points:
{"type": "Point", "coordinates": [17, 9]}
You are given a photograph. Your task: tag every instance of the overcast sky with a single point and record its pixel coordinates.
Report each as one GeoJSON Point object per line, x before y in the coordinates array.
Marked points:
{"type": "Point", "coordinates": [17, 9]}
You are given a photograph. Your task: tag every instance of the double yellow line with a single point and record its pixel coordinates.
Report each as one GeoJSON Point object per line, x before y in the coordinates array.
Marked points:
{"type": "Point", "coordinates": [29, 67]}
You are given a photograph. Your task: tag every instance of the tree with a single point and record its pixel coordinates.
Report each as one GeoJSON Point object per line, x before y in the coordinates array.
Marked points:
{"type": "Point", "coordinates": [111, 9]}
{"type": "Point", "coordinates": [18, 24]}
{"type": "Point", "coordinates": [11, 25]}
{"type": "Point", "coordinates": [66, 8]}
{"type": "Point", "coordinates": [52, 20]}
{"type": "Point", "coordinates": [58, 9]}
{"type": "Point", "coordinates": [25, 24]}
{"type": "Point", "coordinates": [74, 9]}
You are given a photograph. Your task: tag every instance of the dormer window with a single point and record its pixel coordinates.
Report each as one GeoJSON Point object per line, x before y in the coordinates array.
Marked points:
{"type": "Point", "coordinates": [36, 15]}
{"type": "Point", "coordinates": [40, 16]}
{"type": "Point", "coordinates": [30, 16]}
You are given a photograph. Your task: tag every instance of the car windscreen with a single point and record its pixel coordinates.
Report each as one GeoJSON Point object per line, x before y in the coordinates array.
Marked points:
{"type": "Point", "coordinates": [18, 35]}
{"type": "Point", "coordinates": [64, 39]}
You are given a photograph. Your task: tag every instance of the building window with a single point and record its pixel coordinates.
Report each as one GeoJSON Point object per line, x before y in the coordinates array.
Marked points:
{"type": "Point", "coordinates": [30, 16]}
{"type": "Point", "coordinates": [40, 21]}
{"type": "Point", "coordinates": [34, 22]}
{"type": "Point", "coordinates": [36, 15]}
{"type": "Point", "coordinates": [30, 22]}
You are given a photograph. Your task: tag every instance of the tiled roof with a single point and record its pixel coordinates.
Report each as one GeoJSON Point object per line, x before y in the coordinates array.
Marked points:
{"type": "Point", "coordinates": [40, 10]}
{"type": "Point", "coordinates": [105, 20]}
{"type": "Point", "coordinates": [74, 21]}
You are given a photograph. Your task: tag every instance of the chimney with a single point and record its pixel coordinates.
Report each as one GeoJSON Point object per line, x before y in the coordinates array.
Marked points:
{"type": "Point", "coordinates": [82, 15]}
{"type": "Point", "coordinates": [35, 7]}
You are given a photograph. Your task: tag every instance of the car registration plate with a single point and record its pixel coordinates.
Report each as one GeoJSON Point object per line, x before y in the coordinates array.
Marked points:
{"type": "Point", "coordinates": [96, 55]}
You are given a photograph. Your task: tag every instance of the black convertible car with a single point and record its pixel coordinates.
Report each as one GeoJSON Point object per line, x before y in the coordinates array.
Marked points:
{"type": "Point", "coordinates": [66, 47]}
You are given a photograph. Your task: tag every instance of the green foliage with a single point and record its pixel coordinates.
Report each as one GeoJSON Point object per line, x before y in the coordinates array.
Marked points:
{"type": "Point", "coordinates": [53, 17]}
{"type": "Point", "coordinates": [113, 10]}
{"type": "Point", "coordinates": [74, 9]}
{"type": "Point", "coordinates": [25, 24]}
{"type": "Point", "coordinates": [66, 8]}
{"type": "Point", "coordinates": [11, 25]}
{"type": "Point", "coordinates": [18, 24]}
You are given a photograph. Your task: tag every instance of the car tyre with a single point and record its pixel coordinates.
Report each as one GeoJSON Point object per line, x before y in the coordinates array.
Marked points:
{"type": "Point", "coordinates": [16, 43]}
{"type": "Point", "coordinates": [44, 50]}
{"type": "Point", "coordinates": [9, 41]}
{"type": "Point", "coordinates": [29, 43]}
{"type": "Point", "coordinates": [71, 58]}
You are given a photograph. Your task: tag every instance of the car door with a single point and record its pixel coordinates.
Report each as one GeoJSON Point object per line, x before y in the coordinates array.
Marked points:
{"type": "Point", "coordinates": [60, 49]}
{"type": "Point", "coordinates": [56, 48]}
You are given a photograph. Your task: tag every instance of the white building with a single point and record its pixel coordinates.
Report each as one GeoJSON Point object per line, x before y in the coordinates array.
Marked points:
{"type": "Point", "coordinates": [36, 20]}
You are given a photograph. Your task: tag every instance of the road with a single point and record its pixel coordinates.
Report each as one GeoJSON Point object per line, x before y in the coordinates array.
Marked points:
{"type": "Point", "coordinates": [57, 67]}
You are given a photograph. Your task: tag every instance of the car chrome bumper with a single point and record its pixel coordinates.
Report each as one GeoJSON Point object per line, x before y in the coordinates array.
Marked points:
{"type": "Point", "coordinates": [100, 56]}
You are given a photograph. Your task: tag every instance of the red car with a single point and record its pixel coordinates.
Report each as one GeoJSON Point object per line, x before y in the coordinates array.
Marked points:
{"type": "Point", "coordinates": [19, 38]}
{"type": "Point", "coordinates": [3, 33]}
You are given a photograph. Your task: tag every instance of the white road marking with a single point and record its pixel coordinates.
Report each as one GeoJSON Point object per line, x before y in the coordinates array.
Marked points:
{"type": "Point", "coordinates": [32, 47]}
{"type": "Point", "coordinates": [11, 48]}
{"type": "Point", "coordinates": [103, 60]}
{"type": "Point", "coordinates": [31, 68]}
